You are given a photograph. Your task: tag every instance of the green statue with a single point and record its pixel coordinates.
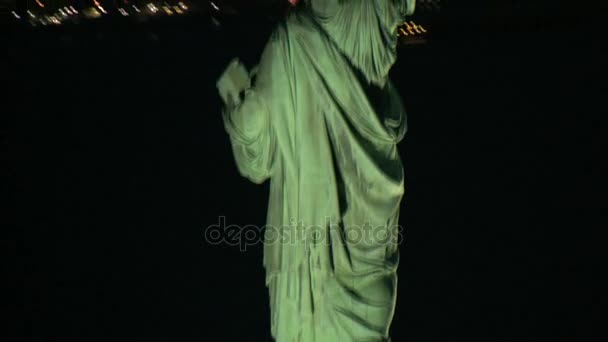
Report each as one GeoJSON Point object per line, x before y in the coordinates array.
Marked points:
{"type": "Point", "coordinates": [320, 119]}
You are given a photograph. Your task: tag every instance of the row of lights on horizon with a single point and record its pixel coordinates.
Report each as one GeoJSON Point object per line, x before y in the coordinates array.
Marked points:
{"type": "Point", "coordinates": [97, 10]}
{"type": "Point", "coordinates": [410, 28]}
{"type": "Point", "coordinates": [407, 29]}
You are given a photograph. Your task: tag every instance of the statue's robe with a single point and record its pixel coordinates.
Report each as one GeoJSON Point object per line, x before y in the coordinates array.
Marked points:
{"type": "Point", "coordinates": [322, 121]}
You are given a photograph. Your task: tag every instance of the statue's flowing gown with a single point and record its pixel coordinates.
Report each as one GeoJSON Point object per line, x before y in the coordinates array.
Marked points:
{"type": "Point", "coordinates": [322, 121]}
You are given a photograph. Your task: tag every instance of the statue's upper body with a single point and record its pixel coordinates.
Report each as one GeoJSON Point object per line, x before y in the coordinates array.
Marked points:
{"type": "Point", "coordinates": [322, 116]}
{"type": "Point", "coordinates": [321, 121]}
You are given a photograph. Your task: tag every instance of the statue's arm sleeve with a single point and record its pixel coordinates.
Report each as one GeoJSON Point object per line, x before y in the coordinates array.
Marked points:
{"type": "Point", "coordinates": [251, 136]}
{"type": "Point", "coordinates": [410, 7]}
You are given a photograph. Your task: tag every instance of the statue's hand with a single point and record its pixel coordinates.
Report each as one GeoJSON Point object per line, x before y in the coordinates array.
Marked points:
{"type": "Point", "coordinates": [233, 82]}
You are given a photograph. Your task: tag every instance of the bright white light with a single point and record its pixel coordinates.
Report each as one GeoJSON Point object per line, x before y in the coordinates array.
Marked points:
{"type": "Point", "coordinates": [182, 5]}
{"type": "Point", "coordinates": [73, 10]}
{"type": "Point", "coordinates": [135, 8]}
{"type": "Point", "coordinates": [16, 15]}
{"type": "Point", "coordinates": [123, 12]}
{"type": "Point", "coordinates": [215, 6]}
{"type": "Point", "coordinates": [152, 8]}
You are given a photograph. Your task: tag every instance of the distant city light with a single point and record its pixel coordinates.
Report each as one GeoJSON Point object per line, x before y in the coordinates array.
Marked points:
{"type": "Point", "coordinates": [411, 33]}
{"type": "Point", "coordinates": [152, 8]}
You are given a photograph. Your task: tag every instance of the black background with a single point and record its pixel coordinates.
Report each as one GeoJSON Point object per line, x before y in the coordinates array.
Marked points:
{"type": "Point", "coordinates": [117, 162]}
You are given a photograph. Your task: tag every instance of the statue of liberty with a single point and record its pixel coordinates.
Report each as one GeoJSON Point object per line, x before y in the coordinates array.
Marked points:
{"type": "Point", "coordinates": [320, 119]}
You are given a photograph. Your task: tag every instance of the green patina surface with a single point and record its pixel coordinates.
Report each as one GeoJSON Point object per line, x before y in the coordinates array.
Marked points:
{"type": "Point", "coordinates": [319, 118]}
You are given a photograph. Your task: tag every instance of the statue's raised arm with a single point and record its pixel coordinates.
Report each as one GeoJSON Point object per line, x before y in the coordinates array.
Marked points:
{"type": "Point", "coordinates": [364, 30]}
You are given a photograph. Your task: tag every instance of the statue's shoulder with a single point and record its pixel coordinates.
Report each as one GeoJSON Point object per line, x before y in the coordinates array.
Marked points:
{"type": "Point", "coordinates": [280, 32]}
{"type": "Point", "coordinates": [297, 22]}
{"type": "Point", "coordinates": [286, 36]}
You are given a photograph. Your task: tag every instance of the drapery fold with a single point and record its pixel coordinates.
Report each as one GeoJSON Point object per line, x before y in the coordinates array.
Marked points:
{"type": "Point", "coordinates": [322, 122]}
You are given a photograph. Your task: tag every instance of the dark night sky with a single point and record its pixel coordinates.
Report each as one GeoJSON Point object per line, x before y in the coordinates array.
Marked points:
{"type": "Point", "coordinates": [117, 161]}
